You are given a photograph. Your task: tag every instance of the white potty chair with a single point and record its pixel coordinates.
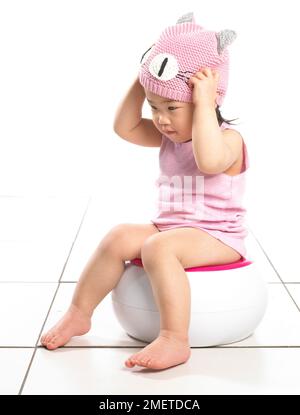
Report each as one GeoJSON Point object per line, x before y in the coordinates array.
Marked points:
{"type": "Point", "coordinates": [227, 303]}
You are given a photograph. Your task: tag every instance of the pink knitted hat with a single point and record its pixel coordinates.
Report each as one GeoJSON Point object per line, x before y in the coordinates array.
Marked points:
{"type": "Point", "coordinates": [180, 52]}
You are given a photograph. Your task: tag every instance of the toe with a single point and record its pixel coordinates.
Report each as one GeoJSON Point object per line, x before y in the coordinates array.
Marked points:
{"type": "Point", "coordinates": [51, 346]}
{"type": "Point", "coordinates": [143, 361]}
{"type": "Point", "coordinates": [137, 359]}
{"type": "Point", "coordinates": [52, 343]}
{"type": "Point", "coordinates": [44, 340]}
{"type": "Point", "coordinates": [48, 337]}
{"type": "Point", "coordinates": [139, 362]}
{"type": "Point", "coordinates": [129, 363]}
{"type": "Point", "coordinates": [44, 337]}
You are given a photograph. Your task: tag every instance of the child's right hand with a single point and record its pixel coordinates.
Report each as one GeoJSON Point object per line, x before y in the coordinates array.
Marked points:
{"type": "Point", "coordinates": [204, 84]}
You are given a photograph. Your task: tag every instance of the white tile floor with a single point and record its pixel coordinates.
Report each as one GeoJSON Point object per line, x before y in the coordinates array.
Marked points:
{"type": "Point", "coordinates": [44, 244]}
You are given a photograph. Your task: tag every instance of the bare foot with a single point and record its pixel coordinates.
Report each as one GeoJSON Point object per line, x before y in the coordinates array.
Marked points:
{"type": "Point", "coordinates": [73, 323]}
{"type": "Point", "coordinates": [163, 352]}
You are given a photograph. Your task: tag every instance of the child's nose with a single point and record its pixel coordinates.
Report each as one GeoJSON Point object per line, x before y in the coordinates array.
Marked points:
{"type": "Point", "coordinates": [162, 119]}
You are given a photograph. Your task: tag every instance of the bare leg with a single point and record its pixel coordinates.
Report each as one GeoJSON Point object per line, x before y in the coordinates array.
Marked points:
{"type": "Point", "coordinates": [171, 291]}
{"type": "Point", "coordinates": [165, 257]}
{"type": "Point", "coordinates": [101, 274]}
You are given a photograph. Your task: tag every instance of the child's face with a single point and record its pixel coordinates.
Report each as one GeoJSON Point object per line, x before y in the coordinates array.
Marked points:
{"type": "Point", "coordinates": [175, 116]}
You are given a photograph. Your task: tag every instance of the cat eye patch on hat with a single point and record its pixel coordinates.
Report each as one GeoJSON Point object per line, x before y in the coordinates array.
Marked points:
{"type": "Point", "coordinates": [164, 66]}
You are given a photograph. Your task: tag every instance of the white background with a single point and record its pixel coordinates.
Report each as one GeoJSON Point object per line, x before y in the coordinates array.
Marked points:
{"type": "Point", "coordinates": [65, 65]}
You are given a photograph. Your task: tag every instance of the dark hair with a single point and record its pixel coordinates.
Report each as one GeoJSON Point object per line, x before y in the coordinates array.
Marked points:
{"type": "Point", "coordinates": [221, 119]}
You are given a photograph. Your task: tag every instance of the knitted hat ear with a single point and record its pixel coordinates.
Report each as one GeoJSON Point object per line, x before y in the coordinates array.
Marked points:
{"type": "Point", "coordinates": [188, 17]}
{"type": "Point", "coordinates": [225, 38]}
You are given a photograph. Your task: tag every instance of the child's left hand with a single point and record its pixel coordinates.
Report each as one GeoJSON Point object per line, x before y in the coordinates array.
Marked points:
{"type": "Point", "coordinates": [204, 84]}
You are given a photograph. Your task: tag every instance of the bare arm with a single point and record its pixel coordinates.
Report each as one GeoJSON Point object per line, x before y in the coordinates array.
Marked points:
{"type": "Point", "coordinates": [128, 121]}
{"type": "Point", "coordinates": [211, 153]}
{"type": "Point", "coordinates": [214, 150]}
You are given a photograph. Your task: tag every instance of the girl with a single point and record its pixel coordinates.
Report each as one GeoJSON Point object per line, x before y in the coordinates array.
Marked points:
{"type": "Point", "coordinates": [184, 79]}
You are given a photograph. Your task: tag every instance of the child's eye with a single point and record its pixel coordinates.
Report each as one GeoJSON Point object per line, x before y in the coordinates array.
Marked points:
{"type": "Point", "coordinates": [169, 108]}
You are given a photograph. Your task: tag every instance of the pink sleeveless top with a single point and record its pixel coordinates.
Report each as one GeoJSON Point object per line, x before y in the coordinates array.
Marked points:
{"type": "Point", "coordinates": [188, 197]}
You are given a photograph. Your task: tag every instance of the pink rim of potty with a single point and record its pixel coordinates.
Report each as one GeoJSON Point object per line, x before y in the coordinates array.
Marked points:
{"type": "Point", "coordinates": [238, 264]}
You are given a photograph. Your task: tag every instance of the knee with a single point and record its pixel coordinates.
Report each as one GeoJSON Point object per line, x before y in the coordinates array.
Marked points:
{"type": "Point", "coordinates": [115, 238]}
{"type": "Point", "coordinates": [152, 249]}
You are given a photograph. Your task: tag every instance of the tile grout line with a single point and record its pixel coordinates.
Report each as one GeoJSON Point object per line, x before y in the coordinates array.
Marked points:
{"type": "Point", "coordinates": [277, 273]}
{"type": "Point", "coordinates": [192, 347]}
{"type": "Point", "coordinates": [286, 346]}
{"type": "Point", "coordinates": [53, 299]}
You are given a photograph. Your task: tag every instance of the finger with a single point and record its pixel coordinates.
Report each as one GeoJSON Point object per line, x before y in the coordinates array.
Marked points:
{"type": "Point", "coordinates": [191, 82]}
{"type": "Point", "coordinates": [216, 74]}
{"type": "Point", "coordinates": [200, 75]}
{"type": "Point", "coordinates": [207, 71]}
